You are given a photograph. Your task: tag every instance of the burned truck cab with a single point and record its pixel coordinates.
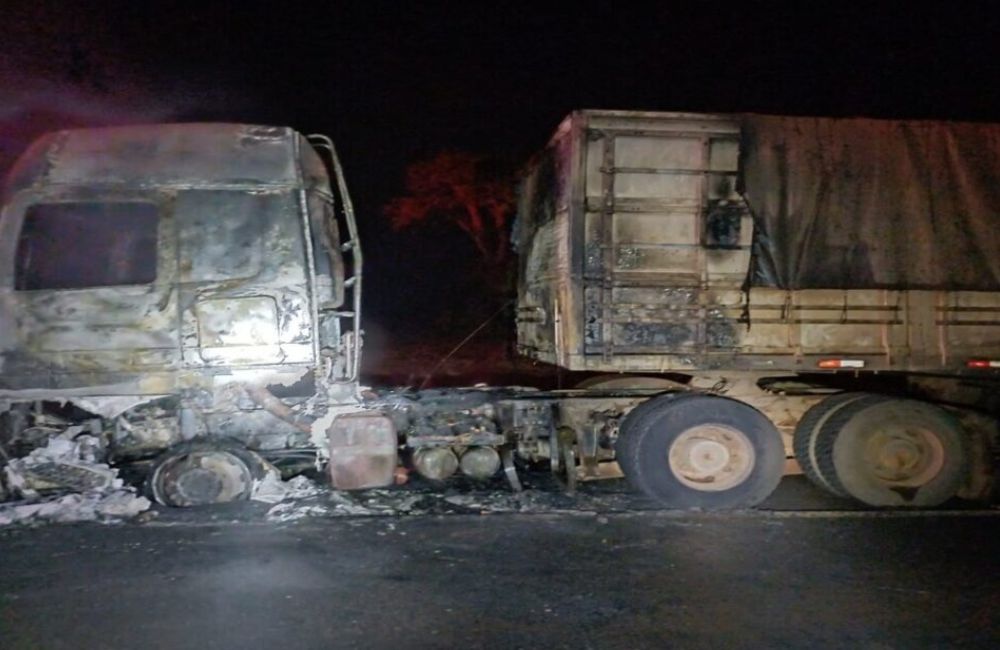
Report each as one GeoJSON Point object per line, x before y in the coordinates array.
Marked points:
{"type": "Point", "coordinates": [180, 282]}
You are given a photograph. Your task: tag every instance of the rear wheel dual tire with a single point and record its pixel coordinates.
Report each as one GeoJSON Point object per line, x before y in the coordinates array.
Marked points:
{"type": "Point", "coordinates": [882, 451]}
{"type": "Point", "coordinates": [812, 441]}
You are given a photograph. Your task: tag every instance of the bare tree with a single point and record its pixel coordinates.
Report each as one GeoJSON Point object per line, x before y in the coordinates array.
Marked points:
{"type": "Point", "coordinates": [463, 190]}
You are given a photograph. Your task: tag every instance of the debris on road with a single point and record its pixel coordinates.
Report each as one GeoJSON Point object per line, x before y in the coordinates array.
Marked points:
{"type": "Point", "coordinates": [284, 512]}
{"type": "Point", "coordinates": [69, 461]}
{"type": "Point", "coordinates": [271, 489]}
{"type": "Point", "coordinates": [426, 500]}
{"type": "Point", "coordinates": [66, 481]}
{"type": "Point", "coordinates": [105, 507]}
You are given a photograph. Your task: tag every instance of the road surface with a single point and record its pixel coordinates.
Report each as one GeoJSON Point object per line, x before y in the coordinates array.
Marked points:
{"type": "Point", "coordinates": [646, 579]}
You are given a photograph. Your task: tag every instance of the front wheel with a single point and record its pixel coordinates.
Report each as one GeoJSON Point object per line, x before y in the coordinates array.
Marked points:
{"type": "Point", "coordinates": [703, 451]}
{"type": "Point", "coordinates": [204, 472]}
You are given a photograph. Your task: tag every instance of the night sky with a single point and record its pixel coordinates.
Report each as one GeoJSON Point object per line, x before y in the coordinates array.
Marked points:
{"type": "Point", "coordinates": [391, 85]}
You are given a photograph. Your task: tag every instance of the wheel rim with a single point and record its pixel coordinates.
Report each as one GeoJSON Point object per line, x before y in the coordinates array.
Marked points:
{"type": "Point", "coordinates": [202, 477]}
{"type": "Point", "coordinates": [904, 456]}
{"type": "Point", "coordinates": [711, 457]}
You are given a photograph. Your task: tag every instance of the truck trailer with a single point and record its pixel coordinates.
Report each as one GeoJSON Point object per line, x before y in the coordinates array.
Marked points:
{"type": "Point", "coordinates": [764, 295]}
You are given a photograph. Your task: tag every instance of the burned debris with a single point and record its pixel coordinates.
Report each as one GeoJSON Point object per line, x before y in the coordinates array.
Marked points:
{"type": "Point", "coordinates": [54, 467]}
{"type": "Point", "coordinates": [66, 478]}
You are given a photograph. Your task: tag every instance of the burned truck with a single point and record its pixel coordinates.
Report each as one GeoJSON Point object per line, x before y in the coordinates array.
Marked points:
{"type": "Point", "coordinates": [764, 297]}
{"type": "Point", "coordinates": [184, 286]}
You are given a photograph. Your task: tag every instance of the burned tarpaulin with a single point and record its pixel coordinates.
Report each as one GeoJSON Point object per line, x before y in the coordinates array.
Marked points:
{"type": "Point", "coordinates": [862, 203]}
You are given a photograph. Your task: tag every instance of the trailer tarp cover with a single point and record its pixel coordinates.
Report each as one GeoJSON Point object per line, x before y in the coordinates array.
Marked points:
{"type": "Point", "coordinates": [859, 203]}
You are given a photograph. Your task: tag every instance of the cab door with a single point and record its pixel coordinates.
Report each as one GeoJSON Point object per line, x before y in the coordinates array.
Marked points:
{"type": "Point", "coordinates": [243, 278]}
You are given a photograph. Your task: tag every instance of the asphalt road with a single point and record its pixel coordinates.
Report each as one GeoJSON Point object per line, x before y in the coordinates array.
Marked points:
{"type": "Point", "coordinates": [763, 579]}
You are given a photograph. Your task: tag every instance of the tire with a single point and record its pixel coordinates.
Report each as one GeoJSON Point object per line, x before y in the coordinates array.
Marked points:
{"type": "Point", "coordinates": [627, 436]}
{"type": "Point", "coordinates": [825, 437]}
{"type": "Point", "coordinates": [703, 451]}
{"type": "Point", "coordinates": [812, 440]}
{"type": "Point", "coordinates": [899, 453]}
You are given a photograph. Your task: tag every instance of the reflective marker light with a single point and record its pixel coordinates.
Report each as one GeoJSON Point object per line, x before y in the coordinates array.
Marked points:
{"type": "Point", "coordinates": [982, 363]}
{"type": "Point", "coordinates": [841, 363]}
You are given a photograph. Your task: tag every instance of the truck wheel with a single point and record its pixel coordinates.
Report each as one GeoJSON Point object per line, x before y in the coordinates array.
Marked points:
{"type": "Point", "coordinates": [900, 453]}
{"type": "Point", "coordinates": [704, 451]}
{"type": "Point", "coordinates": [813, 440]}
{"type": "Point", "coordinates": [204, 472]}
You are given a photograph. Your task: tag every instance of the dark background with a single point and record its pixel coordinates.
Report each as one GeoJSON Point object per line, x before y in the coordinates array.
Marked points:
{"type": "Point", "coordinates": [392, 82]}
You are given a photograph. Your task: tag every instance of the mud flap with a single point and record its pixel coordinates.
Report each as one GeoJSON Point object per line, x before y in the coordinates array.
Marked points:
{"type": "Point", "coordinates": [362, 451]}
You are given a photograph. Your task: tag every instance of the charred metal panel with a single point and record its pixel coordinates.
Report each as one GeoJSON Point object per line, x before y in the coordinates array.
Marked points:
{"type": "Point", "coordinates": [543, 236]}
{"type": "Point", "coordinates": [646, 187]}
{"type": "Point", "coordinates": [190, 155]}
{"type": "Point", "coordinates": [242, 305]}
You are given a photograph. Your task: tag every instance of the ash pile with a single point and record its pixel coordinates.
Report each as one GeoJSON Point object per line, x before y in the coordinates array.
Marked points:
{"type": "Point", "coordinates": [65, 478]}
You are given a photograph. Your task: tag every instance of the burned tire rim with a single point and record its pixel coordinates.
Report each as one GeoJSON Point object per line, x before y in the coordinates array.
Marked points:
{"type": "Point", "coordinates": [203, 473]}
{"type": "Point", "coordinates": [201, 478]}
{"type": "Point", "coordinates": [711, 457]}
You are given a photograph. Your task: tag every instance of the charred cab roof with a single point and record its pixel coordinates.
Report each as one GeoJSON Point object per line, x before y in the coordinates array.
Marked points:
{"type": "Point", "coordinates": [165, 155]}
